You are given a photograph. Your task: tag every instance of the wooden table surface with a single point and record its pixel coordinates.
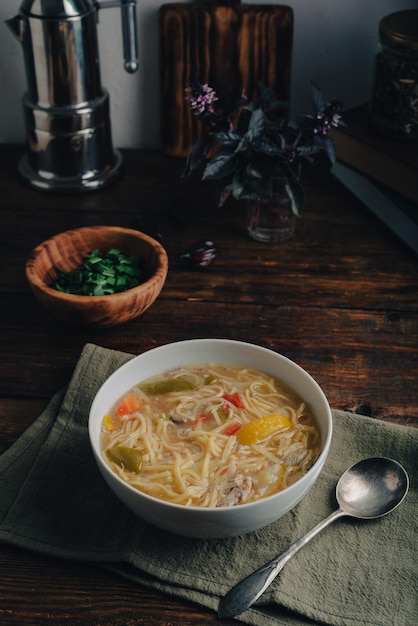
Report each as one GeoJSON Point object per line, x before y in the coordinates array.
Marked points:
{"type": "Point", "coordinates": [340, 299]}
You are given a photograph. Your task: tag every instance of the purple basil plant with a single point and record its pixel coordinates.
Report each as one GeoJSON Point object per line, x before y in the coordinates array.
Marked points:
{"type": "Point", "coordinates": [254, 145]}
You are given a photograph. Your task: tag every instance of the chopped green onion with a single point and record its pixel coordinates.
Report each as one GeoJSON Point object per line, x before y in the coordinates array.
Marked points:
{"type": "Point", "coordinates": [101, 275]}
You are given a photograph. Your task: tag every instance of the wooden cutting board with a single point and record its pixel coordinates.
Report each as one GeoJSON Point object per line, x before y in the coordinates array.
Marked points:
{"type": "Point", "coordinates": [226, 44]}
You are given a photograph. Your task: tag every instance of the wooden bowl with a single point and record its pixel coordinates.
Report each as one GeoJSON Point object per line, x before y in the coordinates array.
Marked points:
{"type": "Point", "coordinates": [68, 250]}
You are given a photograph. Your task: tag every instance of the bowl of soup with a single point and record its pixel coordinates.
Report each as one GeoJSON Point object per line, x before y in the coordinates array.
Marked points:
{"type": "Point", "coordinates": [210, 438]}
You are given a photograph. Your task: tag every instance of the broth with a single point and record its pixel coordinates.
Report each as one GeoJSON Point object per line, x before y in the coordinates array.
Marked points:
{"type": "Point", "coordinates": [210, 435]}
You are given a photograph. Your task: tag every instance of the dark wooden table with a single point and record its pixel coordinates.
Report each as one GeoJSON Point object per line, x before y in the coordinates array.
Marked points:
{"type": "Point", "coordinates": [340, 299]}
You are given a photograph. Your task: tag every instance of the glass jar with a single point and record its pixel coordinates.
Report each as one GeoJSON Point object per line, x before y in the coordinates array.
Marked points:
{"type": "Point", "coordinates": [270, 219]}
{"type": "Point", "coordinates": [394, 102]}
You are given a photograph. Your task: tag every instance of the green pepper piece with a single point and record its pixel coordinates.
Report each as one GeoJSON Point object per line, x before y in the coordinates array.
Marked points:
{"type": "Point", "coordinates": [129, 458]}
{"type": "Point", "coordinates": [167, 386]}
{"type": "Point", "coordinates": [222, 414]}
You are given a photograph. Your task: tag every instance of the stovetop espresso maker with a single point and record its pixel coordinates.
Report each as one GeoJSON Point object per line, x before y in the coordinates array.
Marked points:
{"type": "Point", "coordinates": [66, 109]}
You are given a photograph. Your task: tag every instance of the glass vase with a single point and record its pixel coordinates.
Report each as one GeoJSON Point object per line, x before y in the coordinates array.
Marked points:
{"type": "Point", "coordinates": [270, 219]}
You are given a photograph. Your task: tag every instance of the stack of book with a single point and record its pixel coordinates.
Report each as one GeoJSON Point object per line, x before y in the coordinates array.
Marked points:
{"type": "Point", "coordinates": [382, 172]}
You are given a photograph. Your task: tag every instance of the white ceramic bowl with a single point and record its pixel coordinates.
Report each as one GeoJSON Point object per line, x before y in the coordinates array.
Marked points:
{"type": "Point", "coordinates": [222, 521]}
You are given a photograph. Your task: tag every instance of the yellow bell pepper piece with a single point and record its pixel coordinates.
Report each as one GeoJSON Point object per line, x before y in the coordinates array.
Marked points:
{"type": "Point", "coordinates": [261, 428]}
{"type": "Point", "coordinates": [109, 423]}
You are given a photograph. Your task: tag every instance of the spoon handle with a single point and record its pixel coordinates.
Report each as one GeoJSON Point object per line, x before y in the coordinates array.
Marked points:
{"type": "Point", "coordinates": [248, 590]}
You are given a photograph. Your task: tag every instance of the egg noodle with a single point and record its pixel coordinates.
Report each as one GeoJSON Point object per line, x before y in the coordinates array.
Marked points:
{"type": "Point", "coordinates": [183, 446]}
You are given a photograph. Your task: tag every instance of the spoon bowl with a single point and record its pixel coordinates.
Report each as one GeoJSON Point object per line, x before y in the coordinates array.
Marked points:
{"type": "Point", "coordinates": [369, 489]}
{"type": "Point", "coordinates": [372, 488]}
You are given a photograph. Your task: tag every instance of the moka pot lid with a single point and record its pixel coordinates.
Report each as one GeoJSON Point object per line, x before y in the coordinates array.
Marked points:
{"type": "Point", "coordinates": [55, 9]}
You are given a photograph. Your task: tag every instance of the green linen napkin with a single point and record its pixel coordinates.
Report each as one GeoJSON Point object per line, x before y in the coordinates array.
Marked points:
{"type": "Point", "coordinates": [54, 501]}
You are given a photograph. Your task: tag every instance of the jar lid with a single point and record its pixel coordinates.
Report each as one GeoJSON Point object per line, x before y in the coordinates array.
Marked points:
{"type": "Point", "coordinates": [400, 28]}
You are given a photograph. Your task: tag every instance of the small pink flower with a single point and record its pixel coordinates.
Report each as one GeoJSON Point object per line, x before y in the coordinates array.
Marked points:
{"type": "Point", "coordinates": [201, 99]}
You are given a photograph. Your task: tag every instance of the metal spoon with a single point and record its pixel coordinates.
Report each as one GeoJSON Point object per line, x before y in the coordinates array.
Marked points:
{"type": "Point", "coordinates": [369, 489]}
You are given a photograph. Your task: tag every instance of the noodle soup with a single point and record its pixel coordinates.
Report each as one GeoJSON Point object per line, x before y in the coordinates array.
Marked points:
{"type": "Point", "coordinates": [210, 435]}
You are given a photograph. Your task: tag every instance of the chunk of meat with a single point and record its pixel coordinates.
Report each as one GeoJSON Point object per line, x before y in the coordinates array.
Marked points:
{"type": "Point", "coordinates": [237, 494]}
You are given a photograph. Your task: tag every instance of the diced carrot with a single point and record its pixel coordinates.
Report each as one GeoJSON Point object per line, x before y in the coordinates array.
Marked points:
{"type": "Point", "coordinates": [235, 399]}
{"type": "Point", "coordinates": [130, 404]}
{"type": "Point", "coordinates": [232, 429]}
{"type": "Point", "coordinates": [262, 427]}
{"type": "Point", "coordinates": [202, 417]}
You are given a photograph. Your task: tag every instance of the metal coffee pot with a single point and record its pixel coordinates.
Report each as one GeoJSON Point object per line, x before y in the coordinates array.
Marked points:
{"type": "Point", "coordinates": [66, 109]}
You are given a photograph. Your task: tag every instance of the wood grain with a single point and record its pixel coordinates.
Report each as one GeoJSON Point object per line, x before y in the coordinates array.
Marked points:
{"type": "Point", "coordinates": [340, 299]}
{"type": "Point", "coordinates": [229, 45]}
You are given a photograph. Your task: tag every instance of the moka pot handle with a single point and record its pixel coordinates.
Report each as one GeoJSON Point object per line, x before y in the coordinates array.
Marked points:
{"type": "Point", "coordinates": [129, 30]}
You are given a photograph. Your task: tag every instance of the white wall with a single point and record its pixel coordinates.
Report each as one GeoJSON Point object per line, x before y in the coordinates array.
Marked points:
{"type": "Point", "coordinates": [334, 44]}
